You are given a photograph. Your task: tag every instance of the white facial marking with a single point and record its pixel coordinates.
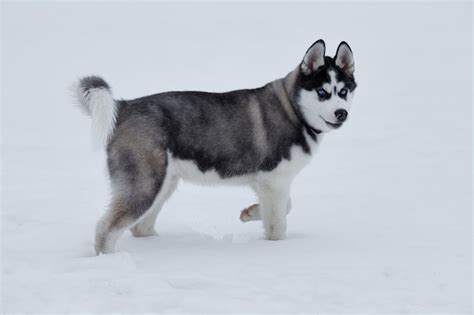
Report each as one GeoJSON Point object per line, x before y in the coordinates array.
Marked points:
{"type": "Point", "coordinates": [318, 112]}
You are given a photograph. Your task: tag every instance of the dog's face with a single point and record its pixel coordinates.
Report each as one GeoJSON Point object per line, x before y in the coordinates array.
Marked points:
{"type": "Point", "coordinates": [325, 86]}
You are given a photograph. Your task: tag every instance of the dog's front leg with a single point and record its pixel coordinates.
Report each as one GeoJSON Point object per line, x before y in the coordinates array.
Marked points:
{"type": "Point", "coordinates": [273, 202]}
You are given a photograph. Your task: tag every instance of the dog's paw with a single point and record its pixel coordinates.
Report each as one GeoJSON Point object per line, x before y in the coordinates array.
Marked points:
{"type": "Point", "coordinates": [137, 232]}
{"type": "Point", "coordinates": [276, 236]}
{"type": "Point", "coordinates": [275, 231]}
{"type": "Point", "coordinates": [251, 213]}
{"type": "Point", "coordinates": [101, 249]}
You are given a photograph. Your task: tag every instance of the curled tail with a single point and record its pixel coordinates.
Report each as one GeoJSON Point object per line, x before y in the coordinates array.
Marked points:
{"type": "Point", "coordinates": [94, 97]}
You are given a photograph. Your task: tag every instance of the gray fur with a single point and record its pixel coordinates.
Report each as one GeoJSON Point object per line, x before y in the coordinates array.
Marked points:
{"type": "Point", "coordinates": [219, 131]}
{"type": "Point", "coordinates": [237, 133]}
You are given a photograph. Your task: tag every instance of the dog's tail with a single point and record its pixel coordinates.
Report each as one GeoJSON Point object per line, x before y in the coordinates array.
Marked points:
{"type": "Point", "coordinates": [95, 99]}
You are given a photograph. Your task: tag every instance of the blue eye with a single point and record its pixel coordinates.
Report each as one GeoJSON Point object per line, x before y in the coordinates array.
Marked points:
{"type": "Point", "coordinates": [343, 92]}
{"type": "Point", "coordinates": [322, 92]}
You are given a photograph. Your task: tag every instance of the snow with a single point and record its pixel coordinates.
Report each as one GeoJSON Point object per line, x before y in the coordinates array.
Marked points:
{"type": "Point", "coordinates": [381, 219]}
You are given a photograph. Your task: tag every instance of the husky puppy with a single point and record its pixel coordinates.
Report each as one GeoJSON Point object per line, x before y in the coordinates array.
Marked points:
{"type": "Point", "coordinates": [257, 137]}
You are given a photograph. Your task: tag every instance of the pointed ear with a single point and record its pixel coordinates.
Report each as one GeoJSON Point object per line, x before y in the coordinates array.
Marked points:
{"type": "Point", "coordinates": [314, 57]}
{"type": "Point", "coordinates": [344, 58]}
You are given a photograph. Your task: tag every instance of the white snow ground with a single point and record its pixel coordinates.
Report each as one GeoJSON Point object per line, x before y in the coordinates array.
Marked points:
{"type": "Point", "coordinates": [381, 219]}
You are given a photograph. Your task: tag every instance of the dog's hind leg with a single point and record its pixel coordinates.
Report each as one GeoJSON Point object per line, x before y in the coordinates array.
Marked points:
{"type": "Point", "coordinates": [146, 225]}
{"type": "Point", "coordinates": [137, 179]}
{"type": "Point", "coordinates": [253, 212]}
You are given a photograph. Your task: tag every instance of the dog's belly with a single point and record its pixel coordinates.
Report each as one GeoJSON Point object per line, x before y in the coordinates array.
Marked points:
{"type": "Point", "coordinates": [188, 170]}
{"type": "Point", "coordinates": [285, 171]}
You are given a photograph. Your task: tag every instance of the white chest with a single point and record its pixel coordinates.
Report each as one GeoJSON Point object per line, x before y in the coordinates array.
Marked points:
{"type": "Point", "coordinates": [288, 169]}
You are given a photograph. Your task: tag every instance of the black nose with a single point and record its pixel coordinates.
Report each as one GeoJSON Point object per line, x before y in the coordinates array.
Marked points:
{"type": "Point", "coordinates": [341, 115]}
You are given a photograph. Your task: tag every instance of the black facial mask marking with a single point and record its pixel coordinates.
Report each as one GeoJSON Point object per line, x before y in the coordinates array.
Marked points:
{"type": "Point", "coordinates": [317, 79]}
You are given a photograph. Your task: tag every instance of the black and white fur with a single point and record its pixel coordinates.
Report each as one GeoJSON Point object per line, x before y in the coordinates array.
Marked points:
{"type": "Point", "coordinates": [257, 137]}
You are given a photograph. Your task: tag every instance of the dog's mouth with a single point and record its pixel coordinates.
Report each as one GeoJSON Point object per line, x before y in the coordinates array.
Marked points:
{"type": "Point", "coordinates": [332, 125]}
{"type": "Point", "coordinates": [335, 126]}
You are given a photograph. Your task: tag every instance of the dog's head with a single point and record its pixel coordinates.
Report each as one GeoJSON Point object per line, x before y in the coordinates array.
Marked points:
{"type": "Point", "coordinates": [325, 86]}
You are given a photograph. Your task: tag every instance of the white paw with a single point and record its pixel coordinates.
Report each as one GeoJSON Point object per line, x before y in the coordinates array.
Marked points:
{"type": "Point", "coordinates": [276, 231]}
{"type": "Point", "coordinates": [276, 236]}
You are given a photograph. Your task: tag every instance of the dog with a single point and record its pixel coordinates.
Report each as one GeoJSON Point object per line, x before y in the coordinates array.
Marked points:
{"type": "Point", "coordinates": [258, 137]}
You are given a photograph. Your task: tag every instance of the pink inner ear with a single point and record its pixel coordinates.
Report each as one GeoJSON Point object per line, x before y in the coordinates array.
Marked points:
{"type": "Point", "coordinates": [314, 58]}
{"type": "Point", "coordinates": [344, 60]}
{"type": "Point", "coordinates": [315, 62]}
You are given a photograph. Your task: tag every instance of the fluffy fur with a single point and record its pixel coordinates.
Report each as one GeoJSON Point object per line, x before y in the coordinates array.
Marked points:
{"type": "Point", "coordinates": [95, 99]}
{"type": "Point", "coordinates": [259, 137]}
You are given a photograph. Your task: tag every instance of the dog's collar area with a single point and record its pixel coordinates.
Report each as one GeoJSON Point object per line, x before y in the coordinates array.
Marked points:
{"type": "Point", "coordinates": [291, 111]}
{"type": "Point", "coordinates": [313, 130]}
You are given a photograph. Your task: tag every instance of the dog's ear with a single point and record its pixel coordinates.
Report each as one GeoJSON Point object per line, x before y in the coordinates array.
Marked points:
{"type": "Point", "coordinates": [314, 57]}
{"type": "Point", "coordinates": [344, 58]}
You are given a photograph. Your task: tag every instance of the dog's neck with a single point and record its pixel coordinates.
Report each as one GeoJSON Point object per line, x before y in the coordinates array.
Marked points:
{"type": "Point", "coordinates": [280, 87]}
{"type": "Point", "coordinates": [285, 90]}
